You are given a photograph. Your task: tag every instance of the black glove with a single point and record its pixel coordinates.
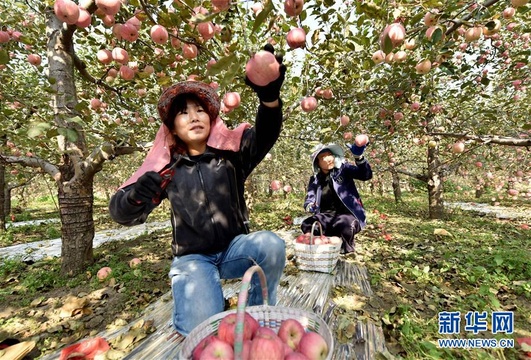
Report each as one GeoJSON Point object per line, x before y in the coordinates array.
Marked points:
{"type": "Point", "coordinates": [147, 188]}
{"type": "Point", "coordinates": [271, 91]}
{"type": "Point", "coordinates": [356, 150]}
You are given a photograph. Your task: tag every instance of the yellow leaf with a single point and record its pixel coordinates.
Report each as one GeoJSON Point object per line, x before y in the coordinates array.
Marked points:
{"type": "Point", "coordinates": [441, 232]}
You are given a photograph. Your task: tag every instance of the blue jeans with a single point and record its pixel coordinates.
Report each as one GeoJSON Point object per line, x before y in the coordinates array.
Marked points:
{"type": "Point", "coordinates": [196, 278]}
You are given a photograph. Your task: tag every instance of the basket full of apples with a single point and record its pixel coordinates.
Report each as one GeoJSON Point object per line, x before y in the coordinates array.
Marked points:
{"type": "Point", "coordinates": [259, 332]}
{"type": "Point", "coordinates": [317, 252]}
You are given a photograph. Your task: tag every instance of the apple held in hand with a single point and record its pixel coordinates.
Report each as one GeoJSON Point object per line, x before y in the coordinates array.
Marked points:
{"type": "Point", "coordinates": [313, 345]}
{"type": "Point", "coordinates": [291, 332]}
{"type": "Point", "coordinates": [262, 68]}
{"type": "Point", "coordinates": [361, 140]}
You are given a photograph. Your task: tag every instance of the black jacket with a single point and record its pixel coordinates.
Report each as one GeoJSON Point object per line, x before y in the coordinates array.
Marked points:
{"type": "Point", "coordinates": [207, 193]}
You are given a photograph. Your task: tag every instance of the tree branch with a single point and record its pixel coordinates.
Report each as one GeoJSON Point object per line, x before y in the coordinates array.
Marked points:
{"type": "Point", "coordinates": [488, 139]}
{"type": "Point", "coordinates": [34, 162]}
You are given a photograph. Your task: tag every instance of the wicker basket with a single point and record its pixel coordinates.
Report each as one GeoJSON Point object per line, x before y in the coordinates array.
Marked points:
{"type": "Point", "coordinates": [321, 257]}
{"type": "Point", "coordinates": [266, 315]}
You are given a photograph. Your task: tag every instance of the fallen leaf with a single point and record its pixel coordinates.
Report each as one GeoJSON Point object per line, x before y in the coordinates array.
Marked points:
{"type": "Point", "coordinates": [441, 232]}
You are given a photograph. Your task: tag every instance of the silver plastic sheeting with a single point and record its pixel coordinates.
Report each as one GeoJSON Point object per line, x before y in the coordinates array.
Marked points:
{"type": "Point", "coordinates": [305, 290]}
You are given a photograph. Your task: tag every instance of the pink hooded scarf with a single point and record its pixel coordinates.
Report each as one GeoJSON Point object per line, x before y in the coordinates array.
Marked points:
{"type": "Point", "coordinates": [221, 137]}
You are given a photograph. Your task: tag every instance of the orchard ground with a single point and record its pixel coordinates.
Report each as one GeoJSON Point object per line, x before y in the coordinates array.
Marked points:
{"type": "Point", "coordinates": [473, 261]}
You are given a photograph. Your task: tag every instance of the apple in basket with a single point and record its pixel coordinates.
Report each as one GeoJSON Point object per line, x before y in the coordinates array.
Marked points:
{"type": "Point", "coordinates": [266, 345]}
{"type": "Point", "coordinates": [196, 353]}
{"type": "Point", "coordinates": [303, 238]}
{"type": "Point", "coordinates": [291, 332]}
{"type": "Point", "coordinates": [227, 326]}
{"type": "Point", "coordinates": [217, 350]}
{"type": "Point", "coordinates": [295, 356]}
{"type": "Point", "coordinates": [313, 345]}
{"type": "Point", "coordinates": [335, 240]}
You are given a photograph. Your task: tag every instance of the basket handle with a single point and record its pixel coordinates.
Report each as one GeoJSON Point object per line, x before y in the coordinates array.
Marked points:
{"type": "Point", "coordinates": [313, 229]}
{"type": "Point", "coordinates": [242, 303]}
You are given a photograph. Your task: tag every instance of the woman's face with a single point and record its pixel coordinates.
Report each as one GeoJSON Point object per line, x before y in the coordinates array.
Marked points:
{"type": "Point", "coordinates": [192, 125]}
{"type": "Point", "coordinates": [326, 161]}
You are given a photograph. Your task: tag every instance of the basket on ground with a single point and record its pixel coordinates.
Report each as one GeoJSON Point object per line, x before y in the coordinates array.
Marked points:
{"type": "Point", "coordinates": [266, 315]}
{"type": "Point", "coordinates": [321, 257]}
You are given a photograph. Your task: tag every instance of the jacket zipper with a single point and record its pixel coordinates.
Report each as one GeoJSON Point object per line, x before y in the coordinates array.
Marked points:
{"type": "Point", "coordinates": [207, 202]}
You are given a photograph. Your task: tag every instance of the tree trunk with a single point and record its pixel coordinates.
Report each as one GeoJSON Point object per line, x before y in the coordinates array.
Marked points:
{"type": "Point", "coordinates": [435, 185]}
{"type": "Point", "coordinates": [77, 231]}
{"type": "Point", "coordinates": [74, 180]}
{"type": "Point", "coordinates": [396, 185]}
{"type": "Point", "coordinates": [3, 188]}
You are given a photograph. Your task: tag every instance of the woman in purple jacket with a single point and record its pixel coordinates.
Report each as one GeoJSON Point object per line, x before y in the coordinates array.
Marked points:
{"type": "Point", "coordinates": [332, 196]}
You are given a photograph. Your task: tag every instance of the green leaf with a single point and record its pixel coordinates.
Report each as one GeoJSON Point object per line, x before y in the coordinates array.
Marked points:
{"type": "Point", "coordinates": [37, 129]}
{"type": "Point", "coordinates": [498, 259]}
{"type": "Point", "coordinates": [387, 45]}
{"type": "Point", "coordinates": [262, 15]}
{"type": "Point", "coordinates": [222, 64]}
{"type": "Point", "coordinates": [4, 57]}
{"type": "Point", "coordinates": [69, 134]}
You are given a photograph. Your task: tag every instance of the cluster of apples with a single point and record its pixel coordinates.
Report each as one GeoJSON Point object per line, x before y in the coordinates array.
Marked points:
{"type": "Point", "coordinates": [317, 239]}
{"type": "Point", "coordinates": [292, 342]}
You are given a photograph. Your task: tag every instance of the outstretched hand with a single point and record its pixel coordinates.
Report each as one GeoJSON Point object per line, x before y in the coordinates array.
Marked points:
{"type": "Point", "coordinates": [271, 91]}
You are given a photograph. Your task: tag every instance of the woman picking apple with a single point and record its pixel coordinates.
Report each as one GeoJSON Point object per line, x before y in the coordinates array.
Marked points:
{"type": "Point", "coordinates": [332, 196]}
{"type": "Point", "coordinates": [200, 166]}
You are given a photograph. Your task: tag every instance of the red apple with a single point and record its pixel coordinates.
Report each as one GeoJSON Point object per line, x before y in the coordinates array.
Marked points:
{"type": "Point", "coordinates": [104, 56]}
{"type": "Point", "coordinates": [126, 72]}
{"type": "Point", "coordinates": [508, 13]}
{"type": "Point", "coordinates": [159, 34]}
{"type": "Point", "coordinates": [423, 67]}
{"type": "Point", "coordinates": [291, 332]}
{"type": "Point", "coordinates": [309, 104]}
{"type": "Point", "coordinates": [347, 135]}
{"type": "Point", "coordinates": [458, 147]}
{"type": "Point", "coordinates": [95, 104]}
{"type": "Point", "coordinates": [227, 326]}
{"type": "Point", "coordinates": [103, 273]}
{"type": "Point", "coordinates": [84, 20]}
{"type": "Point", "coordinates": [361, 140]}
{"type": "Point", "coordinates": [313, 345]}
{"type": "Point", "coordinates": [395, 32]}
{"type": "Point", "coordinates": [431, 17]}
{"type": "Point", "coordinates": [4, 37]}
{"type": "Point", "coordinates": [295, 355]}
{"type": "Point", "coordinates": [262, 68]}
{"type": "Point", "coordinates": [129, 32]}
{"type": "Point", "coordinates": [109, 7]}
{"type": "Point", "coordinates": [189, 51]}
{"type": "Point", "coordinates": [378, 56]}
{"type": "Point", "coordinates": [473, 33]}
{"type": "Point", "coordinates": [275, 185]}
{"type": "Point", "coordinates": [231, 100]}
{"type": "Point", "coordinates": [296, 38]}
{"type": "Point", "coordinates": [134, 263]}
{"type": "Point", "coordinates": [34, 59]}
{"type": "Point", "coordinates": [217, 349]}
{"type": "Point", "coordinates": [344, 120]}
{"type": "Point", "coordinates": [66, 11]}
{"type": "Point", "coordinates": [293, 7]}
{"type": "Point", "coordinates": [120, 55]}
{"type": "Point", "coordinates": [196, 353]}
{"type": "Point", "coordinates": [206, 29]}
{"type": "Point", "coordinates": [221, 4]}
{"type": "Point", "coordinates": [266, 345]}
